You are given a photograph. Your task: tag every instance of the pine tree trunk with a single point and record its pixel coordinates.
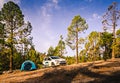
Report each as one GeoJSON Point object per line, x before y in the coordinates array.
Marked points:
{"type": "Point", "coordinates": [113, 49]}
{"type": "Point", "coordinates": [11, 55]}
{"type": "Point", "coordinates": [77, 45]}
{"type": "Point", "coordinates": [114, 26]}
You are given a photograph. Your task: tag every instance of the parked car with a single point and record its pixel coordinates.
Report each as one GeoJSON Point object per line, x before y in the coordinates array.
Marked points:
{"type": "Point", "coordinates": [53, 61]}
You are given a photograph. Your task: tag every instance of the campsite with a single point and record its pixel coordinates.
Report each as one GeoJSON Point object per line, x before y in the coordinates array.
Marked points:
{"type": "Point", "coordinates": [28, 65]}
{"type": "Point", "coordinates": [59, 41]}
{"type": "Point", "coordinates": [97, 72]}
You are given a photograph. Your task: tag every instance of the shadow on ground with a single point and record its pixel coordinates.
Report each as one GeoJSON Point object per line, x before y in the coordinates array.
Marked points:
{"type": "Point", "coordinates": [80, 75]}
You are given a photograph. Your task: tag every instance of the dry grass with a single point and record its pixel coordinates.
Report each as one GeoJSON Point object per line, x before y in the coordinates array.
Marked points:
{"type": "Point", "coordinates": [91, 72]}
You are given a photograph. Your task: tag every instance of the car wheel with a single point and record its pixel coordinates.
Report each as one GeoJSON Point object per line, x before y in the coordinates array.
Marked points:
{"type": "Point", "coordinates": [52, 64]}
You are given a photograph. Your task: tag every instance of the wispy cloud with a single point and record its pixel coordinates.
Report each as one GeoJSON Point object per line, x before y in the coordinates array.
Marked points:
{"type": "Point", "coordinates": [96, 16]}
{"type": "Point", "coordinates": [44, 27]}
{"type": "Point", "coordinates": [94, 22]}
{"type": "Point", "coordinates": [89, 0]}
{"type": "Point", "coordinates": [46, 14]}
{"type": "Point", "coordinates": [47, 8]}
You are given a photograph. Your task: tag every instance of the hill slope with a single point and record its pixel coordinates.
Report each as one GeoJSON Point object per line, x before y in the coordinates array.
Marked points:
{"type": "Point", "coordinates": [92, 72]}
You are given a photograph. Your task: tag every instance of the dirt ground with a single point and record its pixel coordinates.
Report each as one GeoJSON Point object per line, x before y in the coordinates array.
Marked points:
{"type": "Point", "coordinates": [90, 72]}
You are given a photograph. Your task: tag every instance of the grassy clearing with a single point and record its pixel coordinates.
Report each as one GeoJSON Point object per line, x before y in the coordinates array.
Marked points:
{"type": "Point", "coordinates": [91, 72]}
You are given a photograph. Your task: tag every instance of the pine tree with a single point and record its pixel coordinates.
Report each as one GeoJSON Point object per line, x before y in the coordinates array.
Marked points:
{"type": "Point", "coordinates": [13, 19]}
{"type": "Point", "coordinates": [78, 25]}
{"type": "Point", "coordinates": [110, 20]}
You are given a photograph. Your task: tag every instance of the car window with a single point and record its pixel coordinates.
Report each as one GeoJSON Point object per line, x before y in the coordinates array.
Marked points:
{"type": "Point", "coordinates": [55, 57]}
{"type": "Point", "coordinates": [49, 59]}
{"type": "Point", "coordinates": [46, 59]}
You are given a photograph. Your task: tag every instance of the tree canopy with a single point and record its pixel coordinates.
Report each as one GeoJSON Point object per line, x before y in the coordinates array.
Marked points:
{"type": "Point", "coordinates": [15, 30]}
{"type": "Point", "coordinates": [78, 25]}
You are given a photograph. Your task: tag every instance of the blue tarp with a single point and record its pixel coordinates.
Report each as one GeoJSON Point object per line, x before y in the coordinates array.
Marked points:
{"type": "Point", "coordinates": [28, 65]}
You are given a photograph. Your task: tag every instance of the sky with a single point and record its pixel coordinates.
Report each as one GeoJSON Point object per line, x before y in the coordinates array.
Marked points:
{"type": "Point", "coordinates": [51, 18]}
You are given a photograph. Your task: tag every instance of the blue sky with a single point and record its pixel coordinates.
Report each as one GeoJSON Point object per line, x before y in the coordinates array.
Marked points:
{"type": "Point", "coordinates": [50, 18]}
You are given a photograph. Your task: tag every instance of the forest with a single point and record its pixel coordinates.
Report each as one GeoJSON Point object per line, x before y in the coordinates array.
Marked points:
{"type": "Point", "coordinates": [16, 42]}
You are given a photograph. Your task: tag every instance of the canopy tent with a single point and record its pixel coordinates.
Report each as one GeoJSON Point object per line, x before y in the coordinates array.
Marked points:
{"type": "Point", "coordinates": [28, 65]}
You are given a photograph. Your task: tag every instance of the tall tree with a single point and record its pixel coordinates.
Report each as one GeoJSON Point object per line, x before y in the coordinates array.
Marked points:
{"type": "Point", "coordinates": [1, 46]}
{"type": "Point", "coordinates": [60, 48]}
{"type": "Point", "coordinates": [25, 40]}
{"type": "Point", "coordinates": [32, 54]}
{"type": "Point", "coordinates": [93, 39]}
{"type": "Point", "coordinates": [51, 51]}
{"type": "Point", "coordinates": [78, 25]}
{"type": "Point", "coordinates": [1, 37]}
{"type": "Point", "coordinates": [106, 44]}
{"type": "Point", "coordinates": [83, 55]}
{"type": "Point", "coordinates": [13, 19]}
{"type": "Point", "coordinates": [110, 20]}
{"type": "Point", "coordinates": [117, 45]}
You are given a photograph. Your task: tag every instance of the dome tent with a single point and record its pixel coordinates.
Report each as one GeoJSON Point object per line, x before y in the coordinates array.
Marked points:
{"type": "Point", "coordinates": [28, 65]}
